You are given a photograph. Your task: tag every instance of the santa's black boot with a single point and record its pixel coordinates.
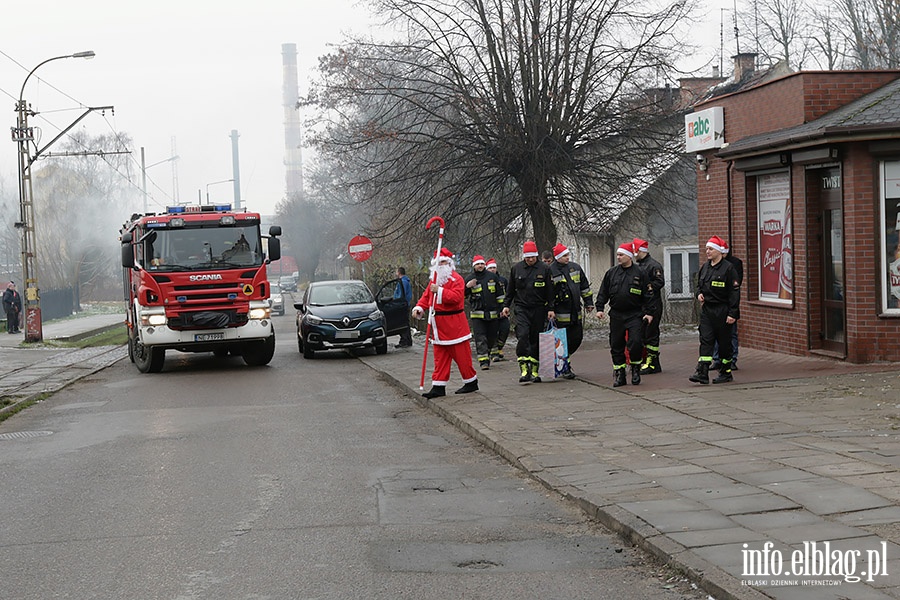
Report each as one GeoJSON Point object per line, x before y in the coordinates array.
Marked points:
{"type": "Point", "coordinates": [701, 375]}
{"type": "Point", "coordinates": [435, 391]}
{"type": "Point", "coordinates": [468, 388]}
{"type": "Point", "coordinates": [619, 377]}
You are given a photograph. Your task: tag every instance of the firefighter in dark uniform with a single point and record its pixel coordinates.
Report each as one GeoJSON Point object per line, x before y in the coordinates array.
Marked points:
{"type": "Point", "coordinates": [531, 292]}
{"type": "Point", "coordinates": [486, 296]}
{"type": "Point", "coordinates": [572, 288]}
{"type": "Point", "coordinates": [719, 293]}
{"type": "Point", "coordinates": [503, 328]}
{"type": "Point", "coordinates": [627, 289]}
{"type": "Point", "coordinates": [651, 330]}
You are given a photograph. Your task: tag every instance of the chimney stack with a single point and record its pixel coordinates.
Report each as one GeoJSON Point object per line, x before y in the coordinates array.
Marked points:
{"type": "Point", "coordinates": [744, 64]}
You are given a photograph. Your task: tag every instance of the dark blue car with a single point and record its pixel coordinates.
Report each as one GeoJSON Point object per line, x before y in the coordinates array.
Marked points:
{"type": "Point", "coordinates": [344, 315]}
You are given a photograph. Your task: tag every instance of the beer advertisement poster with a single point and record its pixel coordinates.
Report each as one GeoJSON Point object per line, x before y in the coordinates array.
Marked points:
{"type": "Point", "coordinates": [776, 275]}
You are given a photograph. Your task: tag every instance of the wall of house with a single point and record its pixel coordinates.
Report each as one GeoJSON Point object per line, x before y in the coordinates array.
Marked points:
{"type": "Point", "coordinates": [796, 329]}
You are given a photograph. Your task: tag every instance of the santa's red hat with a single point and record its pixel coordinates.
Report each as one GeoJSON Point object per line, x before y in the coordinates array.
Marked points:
{"type": "Point", "coordinates": [559, 251]}
{"type": "Point", "coordinates": [529, 249]}
{"type": "Point", "coordinates": [626, 248]}
{"type": "Point", "coordinates": [640, 245]}
{"type": "Point", "coordinates": [491, 263]}
{"type": "Point", "coordinates": [477, 260]}
{"type": "Point", "coordinates": [444, 254]}
{"type": "Point", "coordinates": [717, 243]}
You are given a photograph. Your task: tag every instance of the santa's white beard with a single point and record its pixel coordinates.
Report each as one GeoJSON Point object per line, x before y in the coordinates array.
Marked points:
{"type": "Point", "coordinates": [443, 273]}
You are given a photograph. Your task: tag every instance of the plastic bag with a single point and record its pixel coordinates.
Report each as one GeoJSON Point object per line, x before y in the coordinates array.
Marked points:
{"type": "Point", "coordinates": [553, 353]}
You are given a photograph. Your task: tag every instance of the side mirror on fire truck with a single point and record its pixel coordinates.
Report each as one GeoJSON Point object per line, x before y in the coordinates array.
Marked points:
{"type": "Point", "coordinates": [274, 243]}
{"type": "Point", "coordinates": [127, 251]}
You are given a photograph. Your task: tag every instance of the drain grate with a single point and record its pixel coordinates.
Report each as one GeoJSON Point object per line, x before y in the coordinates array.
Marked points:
{"type": "Point", "coordinates": [21, 435]}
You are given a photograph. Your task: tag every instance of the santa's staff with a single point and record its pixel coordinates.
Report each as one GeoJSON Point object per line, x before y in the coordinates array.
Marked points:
{"type": "Point", "coordinates": [437, 255]}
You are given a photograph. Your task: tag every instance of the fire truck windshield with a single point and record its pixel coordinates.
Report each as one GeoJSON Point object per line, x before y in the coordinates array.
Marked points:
{"type": "Point", "coordinates": [192, 248]}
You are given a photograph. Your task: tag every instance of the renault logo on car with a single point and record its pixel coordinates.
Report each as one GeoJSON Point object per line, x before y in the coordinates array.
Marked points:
{"type": "Point", "coordinates": [346, 321]}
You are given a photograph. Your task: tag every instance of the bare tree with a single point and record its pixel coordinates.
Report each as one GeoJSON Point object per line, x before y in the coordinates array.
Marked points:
{"type": "Point", "coordinates": [779, 30]}
{"type": "Point", "coordinates": [872, 31]}
{"type": "Point", "coordinates": [493, 110]}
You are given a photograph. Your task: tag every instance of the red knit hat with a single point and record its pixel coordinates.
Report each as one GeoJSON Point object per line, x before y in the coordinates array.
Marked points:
{"type": "Point", "coordinates": [477, 260]}
{"type": "Point", "coordinates": [641, 245]}
{"type": "Point", "coordinates": [717, 243]}
{"type": "Point", "coordinates": [626, 248]}
{"type": "Point", "coordinates": [559, 251]}
{"type": "Point", "coordinates": [529, 249]}
{"type": "Point", "coordinates": [491, 263]}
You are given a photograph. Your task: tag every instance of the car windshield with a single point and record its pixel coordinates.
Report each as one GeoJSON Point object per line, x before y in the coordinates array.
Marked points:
{"type": "Point", "coordinates": [340, 293]}
{"type": "Point", "coordinates": [276, 289]}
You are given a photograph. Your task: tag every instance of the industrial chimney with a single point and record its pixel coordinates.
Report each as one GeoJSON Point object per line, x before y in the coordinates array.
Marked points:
{"type": "Point", "coordinates": [293, 157]}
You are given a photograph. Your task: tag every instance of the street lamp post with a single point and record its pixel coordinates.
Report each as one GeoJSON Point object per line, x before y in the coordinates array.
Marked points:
{"type": "Point", "coordinates": [24, 135]}
{"type": "Point", "coordinates": [214, 183]}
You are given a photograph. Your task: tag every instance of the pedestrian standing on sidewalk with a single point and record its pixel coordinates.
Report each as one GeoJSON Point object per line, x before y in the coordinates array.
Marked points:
{"type": "Point", "coordinates": [450, 332]}
{"type": "Point", "coordinates": [12, 305]}
{"type": "Point", "coordinates": [503, 327]}
{"type": "Point", "coordinates": [486, 296]}
{"type": "Point", "coordinates": [571, 289]}
{"type": "Point", "coordinates": [404, 291]}
{"type": "Point", "coordinates": [627, 289]}
{"type": "Point", "coordinates": [531, 293]}
{"type": "Point", "coordinates": [650, 330]}
{"type": "Point", "coordinates": [719, 293]}
{"type": "Point", "coordinates": [717, 362]}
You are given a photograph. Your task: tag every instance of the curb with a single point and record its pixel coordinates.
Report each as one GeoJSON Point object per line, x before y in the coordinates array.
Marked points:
{"type": "Point", "coordinates": [710, 578]}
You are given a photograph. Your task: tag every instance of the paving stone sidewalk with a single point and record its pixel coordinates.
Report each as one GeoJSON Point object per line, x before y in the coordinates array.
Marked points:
{"type": "Point", "coordinates": [694, 473]}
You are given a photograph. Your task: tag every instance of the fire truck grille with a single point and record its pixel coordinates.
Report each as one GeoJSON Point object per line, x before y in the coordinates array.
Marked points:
{"type": "Point", "coordinates": [207, 293]}
{"type": "Point", "coordinates": [208, 319]}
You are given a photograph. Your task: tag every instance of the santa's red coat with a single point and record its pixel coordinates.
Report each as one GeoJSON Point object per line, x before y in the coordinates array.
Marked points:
{"type": "Point", "coordinates": [449, 324]}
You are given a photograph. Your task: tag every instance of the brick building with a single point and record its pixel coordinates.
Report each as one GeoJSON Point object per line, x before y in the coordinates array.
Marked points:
{"type": "Point", "coordinates": [801, 174]}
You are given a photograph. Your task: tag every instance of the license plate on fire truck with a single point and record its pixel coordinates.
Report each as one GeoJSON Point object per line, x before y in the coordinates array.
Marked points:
{"type": "Point", "coordinates": [208, 337]}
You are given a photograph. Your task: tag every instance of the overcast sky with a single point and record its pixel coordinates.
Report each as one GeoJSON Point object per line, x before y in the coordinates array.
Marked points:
{"type": "Point", "coordinates": [187, 71]}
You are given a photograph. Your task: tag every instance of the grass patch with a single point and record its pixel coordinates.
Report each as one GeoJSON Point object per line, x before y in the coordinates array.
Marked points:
{"type": "Point", "coordinates": [116, 336]}
{"type": "Point", "coordinates": [21, 405]}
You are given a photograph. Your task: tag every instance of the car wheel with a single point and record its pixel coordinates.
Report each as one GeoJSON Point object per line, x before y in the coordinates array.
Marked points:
{"type": "Point", "coordinates": [381, 348]}
{"type": "Point", "coordinates": [308, 352]}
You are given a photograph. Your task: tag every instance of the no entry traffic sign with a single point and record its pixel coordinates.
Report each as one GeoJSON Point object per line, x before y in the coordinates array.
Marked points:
{"type": "Point", "coordinates": [360, 248]}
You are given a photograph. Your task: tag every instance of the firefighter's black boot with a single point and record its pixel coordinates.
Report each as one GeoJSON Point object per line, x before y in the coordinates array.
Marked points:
{"type": "Point", "coordinates": [651, 364]}
{"type": "Point", "coordinates": [533, 369]}
{"type": "Point", "coordinates": [468, 388]}
{"type": "Point", "coordinates": [724, 374]}
{"type": "Point", "coordinates": [435, 391]}
{"type": "Point", "coordinates": [484, 363]}
{"type": "Point", "coordinates": [636, 374]}
{"type": "Point", "coordinates": [619, 377]}
{"type": "Point", "coordinates": [525, 367]}
{"type": "Point", "coordinates": [701, 375]}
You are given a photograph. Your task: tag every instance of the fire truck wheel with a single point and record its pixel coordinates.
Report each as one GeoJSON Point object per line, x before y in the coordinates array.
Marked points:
{"type": "Point", "coordinates": [148, 360]}
{"type": "Point", "coordinates": [260, 353]}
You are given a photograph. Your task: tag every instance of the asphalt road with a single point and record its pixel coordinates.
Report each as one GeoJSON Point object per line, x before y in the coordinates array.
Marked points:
{"type": "Point", "coordinates": [303, 479]}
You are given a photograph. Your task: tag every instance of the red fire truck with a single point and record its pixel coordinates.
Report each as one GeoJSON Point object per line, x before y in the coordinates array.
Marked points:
{"type": "Point", "coordinates": [195, 281]}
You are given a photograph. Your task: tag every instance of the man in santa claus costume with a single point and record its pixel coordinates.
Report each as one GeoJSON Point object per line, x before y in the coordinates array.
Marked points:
{"type": "Point", "coordinates": [450, 332]}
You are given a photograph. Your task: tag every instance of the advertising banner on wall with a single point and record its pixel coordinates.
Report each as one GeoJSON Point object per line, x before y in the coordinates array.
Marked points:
{"type": "Point", "coordinates": [776, 272]}
{"type": "Point", "coordinates": [891, 235]}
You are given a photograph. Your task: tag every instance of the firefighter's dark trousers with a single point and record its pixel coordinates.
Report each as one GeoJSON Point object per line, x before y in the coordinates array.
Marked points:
{"type": "Point", "coordinates": [529, 324]}
{"type": "Point", "coordinates": [485, 333]}
{"type": "Point", "coordinates": [714, 328]}
{"type": "Point", "coordinates": [618, 326]}
{"type": "Point", "coordinates": [574, 334]}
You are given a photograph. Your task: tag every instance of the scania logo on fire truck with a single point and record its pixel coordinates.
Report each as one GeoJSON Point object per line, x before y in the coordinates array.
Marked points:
{"type": "Point", "coordinates": [215, 277]}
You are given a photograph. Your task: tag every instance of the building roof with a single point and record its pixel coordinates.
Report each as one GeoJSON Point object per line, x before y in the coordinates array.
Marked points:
{"type": "Point", "coordinates": [874, 115]}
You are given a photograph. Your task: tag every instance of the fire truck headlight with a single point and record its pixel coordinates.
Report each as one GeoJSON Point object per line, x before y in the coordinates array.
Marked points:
{"type": "Point", "coordinates": [153, 317]}
{"type": "Point", "coordinates": [260, 310]}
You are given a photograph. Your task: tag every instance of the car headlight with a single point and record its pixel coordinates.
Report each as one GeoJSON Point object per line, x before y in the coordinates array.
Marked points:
{"type": "Point", "coordinates": [313, 319]}
{"type": "Point", "coordinates": [376, 316]}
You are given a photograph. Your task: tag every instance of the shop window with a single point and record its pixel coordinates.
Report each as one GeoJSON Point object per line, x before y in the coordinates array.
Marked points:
{"type": "Point", "coordinates": [890, 232]}
{"type": "Point", "coordinates": [682, 265]}
{"type": "Point", "coordinates": [775, 233]}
